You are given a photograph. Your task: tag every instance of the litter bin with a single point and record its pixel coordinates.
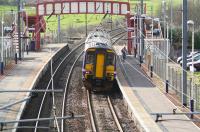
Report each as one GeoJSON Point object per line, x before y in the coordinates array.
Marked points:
{"type": "Point", "coordinates": [32, 46]}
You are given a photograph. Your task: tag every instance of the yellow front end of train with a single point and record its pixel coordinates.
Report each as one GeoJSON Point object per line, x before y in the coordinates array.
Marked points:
{"type": "Point", "coordinates": [99, 69]}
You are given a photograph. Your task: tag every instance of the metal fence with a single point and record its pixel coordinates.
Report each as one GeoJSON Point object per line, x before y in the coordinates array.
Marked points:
{"type": "Point", "coordinates": [175, 83]}
{"type": "Point", "coordinates": [8, 37]}
{"type": "Point", "coordinates": [159, 63]}
{"type": "Point", "coordinates": [6, 50]}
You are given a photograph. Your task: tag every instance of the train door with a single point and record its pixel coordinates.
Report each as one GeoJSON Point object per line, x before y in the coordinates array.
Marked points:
{"type": "Point", "coordinates": [100, 65]}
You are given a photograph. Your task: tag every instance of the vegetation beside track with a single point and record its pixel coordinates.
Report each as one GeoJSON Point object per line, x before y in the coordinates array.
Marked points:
{"type": "Point", "coordinates": [79, 20]}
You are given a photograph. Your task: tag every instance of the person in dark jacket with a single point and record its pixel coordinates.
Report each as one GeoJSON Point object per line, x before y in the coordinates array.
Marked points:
{"type": "Point", "coordinates": [124, 53]}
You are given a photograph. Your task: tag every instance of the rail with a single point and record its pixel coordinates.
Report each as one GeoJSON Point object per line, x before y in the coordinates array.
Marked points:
{"type": "Point", "coordinates": [93, 119]}
{"type": "Point", "coordinates": [45, 91]}
{"type": "Point", "coordinates": [93, 124]}
{"type": "Point", "coordinates": [44, 96]}
{"type": "Point", "coordinates": [114, 114]}
{"type": "Point", "coordinates": [118, 34]}
{"type": "Point", "coordinates": [66, 90]}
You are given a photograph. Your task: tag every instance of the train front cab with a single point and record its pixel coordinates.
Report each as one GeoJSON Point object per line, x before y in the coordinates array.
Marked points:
{"type": "Point", "coordinates": [99, 69]}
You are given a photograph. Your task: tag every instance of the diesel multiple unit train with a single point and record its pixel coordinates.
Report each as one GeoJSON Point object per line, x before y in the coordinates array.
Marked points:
{"type": "Point", "coordinates": [99, 63]}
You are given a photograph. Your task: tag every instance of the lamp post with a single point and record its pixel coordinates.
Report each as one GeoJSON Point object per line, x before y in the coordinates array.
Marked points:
{"type": "Point", "coordinates": [184, 52]}
{"type": "Point", "coordinates": [164, 17]}
{"type": "Point", "coordinates": [19, 29]}
{"type": "Point", "coordinates": [141, 31]}
{"type": "Point", "coordinates": [152, 27]}
{"type": "Point", "coordinates": [171, 15]}
{"type": "Point", "coordinates": [167, 60]}
{"type": "Point", "coordinates": [164, 35]}
{"type": "Point", "coordinates": [59, 28]}
{"type": "Point", "coordinates": [2, 44]}
{"type": "Point", "coordinates": [142, 36]}
{"type": "Point", "coordinates": [190, 23]}
{"type": "Point", "coordinates": [86, 24]}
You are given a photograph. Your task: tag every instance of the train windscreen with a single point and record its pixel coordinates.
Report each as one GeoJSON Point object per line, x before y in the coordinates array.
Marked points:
{"type": "Point", "coordinates": [90, 58]}
{"type": "Point", "coordinates": [110, 59]}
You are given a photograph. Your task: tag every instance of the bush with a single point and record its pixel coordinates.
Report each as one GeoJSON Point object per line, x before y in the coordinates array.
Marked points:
{"type": "Point", "coordinates": [8, 2]}
{"type": "Point", "coordinates": [177, 38]}
{"type": "Point", "coordinates": [197, 40]}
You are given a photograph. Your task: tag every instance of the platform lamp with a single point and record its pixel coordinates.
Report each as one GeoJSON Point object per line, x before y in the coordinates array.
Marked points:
{"type": "Point", "coordinates": [25, 11]}
{"type": "Point", "coordinates": [134, 37]}
{"type": "Point", "coordinates": [18, 27]}
{"type": "Point", "coordinates": [190, 24]}
{"type": "Point", "coordinates": [165, 36]}
{"type": "Point", "coordinates": [2, 45]}
{"type": "Point", "coordinates": [142, 36]}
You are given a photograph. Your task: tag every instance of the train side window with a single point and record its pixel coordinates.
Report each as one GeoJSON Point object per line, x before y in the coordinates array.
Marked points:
{"type": "Point", "coordinates": [110, 59]}
{"type": "Point", "coordinates": [89, 58]}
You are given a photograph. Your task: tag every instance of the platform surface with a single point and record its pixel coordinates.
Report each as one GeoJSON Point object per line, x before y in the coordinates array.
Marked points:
{"type": "Point", "coordinates": [22, 77]}
{"type": "Point", "coordinates": [150, 97]}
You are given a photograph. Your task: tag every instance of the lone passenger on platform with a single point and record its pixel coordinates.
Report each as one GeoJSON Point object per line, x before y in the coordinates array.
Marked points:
{"type": "Point", "coordinates": [123, 53]}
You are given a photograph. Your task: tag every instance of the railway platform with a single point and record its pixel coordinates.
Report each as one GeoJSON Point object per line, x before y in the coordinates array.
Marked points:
{"type": "Point", "coordinates": [23, 76]}
{"type": "Point", "coordinates": [143, 98]}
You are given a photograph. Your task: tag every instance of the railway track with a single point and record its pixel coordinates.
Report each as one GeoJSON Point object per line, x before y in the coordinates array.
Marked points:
{"type": "Point", "coordinates": [66, 93]}
{"type": "Point", "coordinates": [67, 58]}
{"type": "Point", "coordinates": [75, 103]}
{"type": "Point", "coordinates": [69, 99]}
{"type": "Point", "coordinates": [107, 111]}
{"type": "Point", "coordinates": [61, 104]}
{"type": "Point", "coordinates": [44, 106]}
{"type": "Point", "coordinates": [102, 114]}
{"type": "Point", "coordinates": [56, 104]}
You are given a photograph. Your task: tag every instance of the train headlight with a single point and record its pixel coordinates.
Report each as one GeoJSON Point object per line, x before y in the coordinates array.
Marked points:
{"type": "Point", "coordinates": [88, 72]}
{"type": "Point", "coordinates": [110, 74]}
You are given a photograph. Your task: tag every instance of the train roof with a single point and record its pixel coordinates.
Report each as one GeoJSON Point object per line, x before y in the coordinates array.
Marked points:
{"type": "Point", "coordinates": [98, 33]}
{"type": "Point", "coordinates": [98, 39]}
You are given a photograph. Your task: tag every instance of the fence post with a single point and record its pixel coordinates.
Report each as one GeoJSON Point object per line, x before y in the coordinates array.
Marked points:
{"type": "Point", "coordinates": [27, 49]}
{"type": "Point", "coordinates": [158, 72]}
{"type": "Point", "coordinates": [173, 78]}
{"type": "Point", "coordinates": [169, 76]}
{"type": "Point", "coordinates": [196, 96]}
{"type": "Point", "coordinates": [190, 88]}
{"type": "Point", "coordinates": [161, 69]}
{"type": "Point", "coordinates": [176, 81]}
{"type": "Point", "coordinates": [180, 87]}
{"type": "Point", "coordinates": [156, 65]}
{"type": "Point", "coordinates": [2, 68]}
{"type": "Point", "coordinates": [15, 58]}
{"type": "Point", "coordinates": [166, 86]}
{"type": "Point", "coordinates": [192, 107]}
{"type": "Point", "coordinates": [151, 71]}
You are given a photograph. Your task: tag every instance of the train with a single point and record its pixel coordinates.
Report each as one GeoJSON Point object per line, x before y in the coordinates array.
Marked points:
{"type": "Point", "coordinates": [99, 62]}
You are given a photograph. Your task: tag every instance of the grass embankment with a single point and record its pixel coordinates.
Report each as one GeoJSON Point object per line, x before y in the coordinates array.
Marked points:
{"type": "Point", "coordinates": [5, 8]}
{"type": "Point", "coordinates": [197, 77]}
{"type": "Point", "coordinates": [75, 20]}
{"type": "Point", "coordinates": [154, 6]}
{"type": "Point", "coordinates": [79, 20]}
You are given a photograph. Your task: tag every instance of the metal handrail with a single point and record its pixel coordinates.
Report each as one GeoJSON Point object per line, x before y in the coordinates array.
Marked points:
{"type": "Point", "coordinates": [42, 119]}
{"type": "Point", "coordinates": [32, 91]}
